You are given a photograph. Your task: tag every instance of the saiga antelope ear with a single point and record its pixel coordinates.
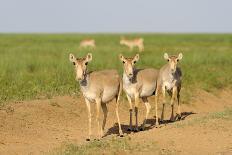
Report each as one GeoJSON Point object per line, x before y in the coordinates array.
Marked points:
{"type": "Point", "coordinates": [166, 57]}
{"type": "Point", "coordinates": [121, 57]}
{"type": "Point", "coordinates": [180, 56]}
{"type": "Point", "coordinates": [72, 58]}
{"type": "Point", "coordinates": [136, 58]}
{"type": "Point", "coordinates": [88, 57]}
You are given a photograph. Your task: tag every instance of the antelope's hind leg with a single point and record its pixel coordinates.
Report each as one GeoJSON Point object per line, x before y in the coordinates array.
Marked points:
{"type": "Point", "coordinates": [148, 108]}
{"type": "Point", "coordinates": [117, 114]}
{"type": "Point", "coordinates": [98, 105]}
{"type": "Point", "coordinates": [178, 101]}
{"type": "Point", "coordinates": [156, 106]}
{"type": "Point", "coordinates": [105, 112]}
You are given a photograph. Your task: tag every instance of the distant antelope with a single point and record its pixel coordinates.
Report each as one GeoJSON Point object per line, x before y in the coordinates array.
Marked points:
{"type": "Point", "coordinates": [97, 86]}
{"type": "Point", "coordinates": [138, 83]}
{"type": "Point", "coordinates": [169, 80]}
{"type": "Point", "coordinates": [88, 43]}
{"type": "Point", "coordinates": [138, 42]}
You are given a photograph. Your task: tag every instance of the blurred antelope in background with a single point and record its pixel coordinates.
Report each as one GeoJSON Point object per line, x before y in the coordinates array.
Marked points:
{"type": "Point", "coordinates": [100, 87]}
{"type": "Point", "coordinates": [88, 43]}
{"type": "Point", "coordinates": [137, 42]}
{"type": "Point", "coordinates": [169, 80]}
{"type": "Point", "coordinates": [138, 83]}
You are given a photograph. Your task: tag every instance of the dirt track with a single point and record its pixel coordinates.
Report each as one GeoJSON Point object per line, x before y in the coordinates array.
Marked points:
{"type": "Point", "coordinates": [36, 127]}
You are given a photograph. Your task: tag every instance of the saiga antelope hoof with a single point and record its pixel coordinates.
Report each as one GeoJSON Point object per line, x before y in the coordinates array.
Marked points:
{"type": "Point", "coordinates": [142, 128]}
{"type": "Point", "coordinates": [136, 130]}
{"type": "Point", "coordinates": [179, 117]}
{"type": "Point", "coordinates": [157, 125]}
{"type": "Point", "coordinates": [87, 139]}
{"type": "Point", "coordinates": [172, 119]}
{"type": "Point", "coordinates": [162, 122]}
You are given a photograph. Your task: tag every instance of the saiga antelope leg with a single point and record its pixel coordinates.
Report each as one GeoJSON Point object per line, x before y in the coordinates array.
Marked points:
{"type": "Point", "coordinates": [174, 91]}
{"type": "Point", "coordinates": [164, 102]}
{"type": "Point", "coordinates": [89, 117]}
{"type": "Point", "coordinates": [141, 48]}
{"type": "Point", "coordinates": [156, 106]}
{"type": "Point", "coordinates": [130, 104]}
{"type": "Point", "coordinates": [105, 112]}
{"type": "Point", "coordinates": [178, 101]}
{"type": "Point", "coordinates": [136, 112]}
{"type": "Point", "coordinates": [117, 114]}
{"type": "Point", "coordinates": [98, 104]}
{"type": "Point", "coordinates": [148, 108]}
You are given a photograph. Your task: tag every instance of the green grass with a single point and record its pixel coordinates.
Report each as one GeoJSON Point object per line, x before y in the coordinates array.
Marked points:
{"type": "Point", "coordinates": [37, 65]}
{"type": "Point", "coordinates": [114, 145]}
{"type": "Point", "coordinates": [219, 115]}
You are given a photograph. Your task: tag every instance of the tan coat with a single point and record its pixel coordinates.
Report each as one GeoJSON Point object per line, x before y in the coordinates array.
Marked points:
{"type": "Point", "coordinates": [138, 83]}
{"type": "Point", "coordinates": [100, 87]}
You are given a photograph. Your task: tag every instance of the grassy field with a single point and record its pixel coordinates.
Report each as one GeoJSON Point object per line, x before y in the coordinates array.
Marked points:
{"type": "Point", "coordinates": [37, 65]}
{"type": "Point", "coordinates": [111, 145]}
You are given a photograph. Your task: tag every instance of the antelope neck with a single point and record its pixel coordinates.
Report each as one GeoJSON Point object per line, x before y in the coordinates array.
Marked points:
{"type": "Point", "coordinates": [127, 78]}
{"type": "Point", "coordinates": [84, 82]}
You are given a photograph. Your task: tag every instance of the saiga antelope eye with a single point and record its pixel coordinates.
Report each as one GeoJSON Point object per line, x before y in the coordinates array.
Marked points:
{"type": "Point", "coordinates": [86, 63]}
{"type": "Point", "coordinates": [123, 61]}
{"type": "Point", "coordinates": [74, 63]}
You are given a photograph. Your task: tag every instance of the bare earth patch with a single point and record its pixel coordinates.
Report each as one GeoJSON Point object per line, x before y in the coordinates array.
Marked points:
{"type": "Point", "coordinates": [40, 126]}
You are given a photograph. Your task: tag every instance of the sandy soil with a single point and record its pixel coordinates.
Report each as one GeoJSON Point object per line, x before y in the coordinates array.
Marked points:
{"type": "Point", "coordinates": [38, 126]}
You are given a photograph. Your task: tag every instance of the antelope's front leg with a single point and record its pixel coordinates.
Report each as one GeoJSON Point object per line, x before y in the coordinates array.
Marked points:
{"type": "Point", "coordinates": [141, 48]}
{"type": "Point", "coordinates": [130, 111]}
{"type": "Point", "coordinates": [174, 93]}
{"type": "Point", "coordinates": [156, 105]}
{"type": "Point", "coordinates": [89, 117]}
{"type": "Point", "coordinates": [136, 112]}
{"type": "Point", "coordinates": [98, 104]}
{"type": "Point", "coordinates": [164, 102]}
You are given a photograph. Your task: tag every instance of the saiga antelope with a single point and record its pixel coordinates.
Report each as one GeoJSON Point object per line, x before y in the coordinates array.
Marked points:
{"type": "Point", "coordinates": [138, 42]}
{"type": "Point", "coordinates": [138, 83]}
{"type": "Point", "coordinates": [88, 43]}
{"type": "Point", "coordinates": [97, 86]}
{"type": "Point", "coordinates": [169, 80]}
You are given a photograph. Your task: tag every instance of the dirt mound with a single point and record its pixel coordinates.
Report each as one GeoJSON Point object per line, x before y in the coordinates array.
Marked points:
{"type": "Point", "coordinates": [36, 127]}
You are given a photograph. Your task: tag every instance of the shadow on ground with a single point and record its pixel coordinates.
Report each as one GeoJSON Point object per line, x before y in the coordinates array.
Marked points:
{"type": "Point", "coordinates": [149, 125]}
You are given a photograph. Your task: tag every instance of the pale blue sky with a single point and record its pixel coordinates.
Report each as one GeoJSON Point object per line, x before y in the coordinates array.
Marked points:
{"type": "Point", "coordinates": [116, 16]}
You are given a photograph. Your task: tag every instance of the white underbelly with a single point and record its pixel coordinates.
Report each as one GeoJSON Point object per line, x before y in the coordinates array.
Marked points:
{"type": "Point", "coordinates": [147, 91]}
{"type": "Point", "coordinates": [130, 92]}
{"type": "Point", "coordinates": [89, 96]}
{"type": "Point", "coordinates": [108, 96]}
